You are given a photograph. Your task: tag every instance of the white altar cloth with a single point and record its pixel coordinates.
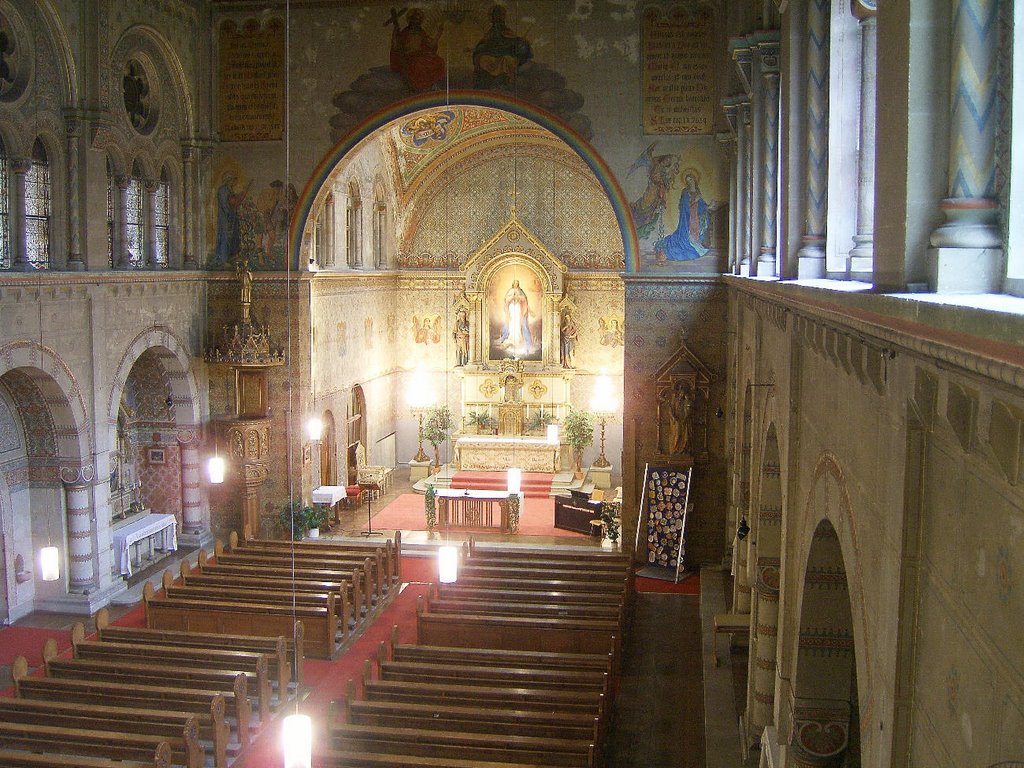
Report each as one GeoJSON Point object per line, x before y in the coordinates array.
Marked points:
{"type": "Point", "coordinates": [329, 494]}
{"type": "Point", "coordinates": [162, 528]}
{"type": "Point", "coordinates": [497, 452]}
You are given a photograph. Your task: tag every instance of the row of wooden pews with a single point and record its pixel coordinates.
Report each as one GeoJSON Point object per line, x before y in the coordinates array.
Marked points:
{"type": "Point", "coordinates": [193, 687]}
{"type": "Point", "coordinates": [260, 587]}
{"type": "Point", "coordinates": [514, 665]}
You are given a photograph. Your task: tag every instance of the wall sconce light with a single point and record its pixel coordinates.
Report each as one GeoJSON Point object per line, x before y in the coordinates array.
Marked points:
{"type": "Point", "coordinates": [298, 741]}
{"type": "Point", "coordinates": [448, 564]}
{"type": "Point", "coordinates": [743, 530]}
{"type": "Point", "coordinates": [215, 470]}
{"type": "Point", "coordinates": [49, 563]}
{"type": "Point", "coordinates": [314, 428]}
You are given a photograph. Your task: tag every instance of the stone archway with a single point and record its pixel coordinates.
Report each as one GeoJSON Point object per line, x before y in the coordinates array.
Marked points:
{"type": "Point", "coordinates": [825, 714]}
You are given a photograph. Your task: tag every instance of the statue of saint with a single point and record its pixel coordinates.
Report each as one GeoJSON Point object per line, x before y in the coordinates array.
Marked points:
{"type": "Point", "coordinates": [569, 334]}
{"type": "Point", "coordinates": [461, 335]}
{"type": "Point", "coordinates": [678, 409]}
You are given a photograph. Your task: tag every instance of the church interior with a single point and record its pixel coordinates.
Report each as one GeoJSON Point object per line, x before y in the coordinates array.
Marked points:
{"type": "Point", "coordinates": [357, 254]}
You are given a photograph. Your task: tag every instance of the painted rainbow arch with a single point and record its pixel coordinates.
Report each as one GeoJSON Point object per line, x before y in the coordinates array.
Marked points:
{"type": "Point", "coordinates": [619, 203]}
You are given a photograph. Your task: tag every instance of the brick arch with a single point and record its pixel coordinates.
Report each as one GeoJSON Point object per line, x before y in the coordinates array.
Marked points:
{"type": "Point", "coordinates": [174, 358]}
{"type": "Point", "coordinates": [59, 391]}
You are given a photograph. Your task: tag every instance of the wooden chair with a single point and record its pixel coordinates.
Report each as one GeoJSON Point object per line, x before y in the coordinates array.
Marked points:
{"type": "Point", "coordinates": [370, 473]}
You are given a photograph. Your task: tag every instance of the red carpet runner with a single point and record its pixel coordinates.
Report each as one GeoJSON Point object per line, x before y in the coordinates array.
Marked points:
{"type": "Point", "coordinates": [535, 484]}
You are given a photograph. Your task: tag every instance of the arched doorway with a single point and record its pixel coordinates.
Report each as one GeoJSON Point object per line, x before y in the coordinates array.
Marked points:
{"type": "Point", "coordinates": [356, 430]}
{"type": "Point", "coordinates": [329, 451]}
{"type": "Point", "coordinates": [826, 717]}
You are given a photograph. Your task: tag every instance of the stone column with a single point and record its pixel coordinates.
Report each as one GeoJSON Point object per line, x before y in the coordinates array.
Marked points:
{"type": "Point", "coordinates": [151, 186]}
{"type": "Point", "coordinates": [741, 596]}
{"type": "Point", "coordinates": [862, 257]}
{"type": "Point", "coordinates": [188, 247]}
{"type": "Point", "coordinates": [761, 706]}
{"type": "Point", "coordinates": [743, 185]}
{"type": "Point", "coordinates": [191, 498]}
{"type": "Point", "coordinates": [766, 260]}
{"type": "Point", "coordinates": [967, 250]}
{"type": "Point", "coordinates": [81, 535]}
{"type": "Point", "coordinates": [20, 168]}
{"type": "Point", "coordinates": [730, 108]}
{"type": "Point", "coordinates": [728, 143]}
{"type": "Point", "coordinates": [74, 258]}
{"type": "Point", "coordinates": [811, 257]}
{"type": "Point", "coordinates": [122, 259]}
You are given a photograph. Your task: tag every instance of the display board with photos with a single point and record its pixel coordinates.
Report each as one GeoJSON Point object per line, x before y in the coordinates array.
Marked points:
{"type": "Point", "coordinates": [664, 505]}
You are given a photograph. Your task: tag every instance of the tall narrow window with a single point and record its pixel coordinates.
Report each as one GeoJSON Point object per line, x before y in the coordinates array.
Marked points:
{"type": "Point", "coordinates": [353, 220]}
{"type": "Point", "coordinates": [328, 259]}
{"type": "Point", "coordinates": [162, 222]}
{"type": "Point", "coordinates": [1015, 214]}
{"type": "Point", "coordinates": [5, 209]}
{"type": "Point", "coordinates": [110, 215]}
{"type": "Point", "coordinates": [37, 209]}
{"type": "Point", "coordinates": [380, 217]}
{"type": "Point", "coordinates": [133, 229]}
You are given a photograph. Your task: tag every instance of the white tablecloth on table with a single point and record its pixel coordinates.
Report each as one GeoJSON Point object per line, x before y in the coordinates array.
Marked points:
{"type": "Point", "coordinates": [164, 528]}
{"type": "Point", "coordinates": [329, 494]}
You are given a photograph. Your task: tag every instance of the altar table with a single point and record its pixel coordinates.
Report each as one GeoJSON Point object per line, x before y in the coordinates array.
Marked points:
{"type": "Point", "coordinates": [460, 508]}
{"type": "Point", "coordinates": [329, 496]}
{"type": "Point", "coordinates": [161, 532]}
{"type": "Point", "coordinates": [498, 452]}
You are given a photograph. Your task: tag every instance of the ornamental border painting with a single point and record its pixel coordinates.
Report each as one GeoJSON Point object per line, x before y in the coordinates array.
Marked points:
{"type": "Point", "coordinates": [515, 314]}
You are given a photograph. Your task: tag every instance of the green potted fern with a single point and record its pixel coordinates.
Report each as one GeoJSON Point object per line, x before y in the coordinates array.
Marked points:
{"type": "Point", "coordinates": [578, 432]}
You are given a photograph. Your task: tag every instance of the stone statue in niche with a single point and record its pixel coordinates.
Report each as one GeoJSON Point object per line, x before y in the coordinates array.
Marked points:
{"type": "Point", "coordinates": [461, 336]}
{"type": "Point", "coordinates": [676, 416]}
{"type": "Point", "coordinates": [569, 334]}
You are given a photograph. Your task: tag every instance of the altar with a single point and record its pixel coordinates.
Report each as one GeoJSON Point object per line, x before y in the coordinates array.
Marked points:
{"type": "Point", "coordinates": [499, 452]}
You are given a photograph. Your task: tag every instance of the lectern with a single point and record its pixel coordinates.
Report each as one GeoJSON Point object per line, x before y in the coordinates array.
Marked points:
{"type": "Point", "coordinates": [369, 491]}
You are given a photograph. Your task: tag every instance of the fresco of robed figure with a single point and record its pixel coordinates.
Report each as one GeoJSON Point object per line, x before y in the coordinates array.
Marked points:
{"type": "Point", "coordinates": [515, 300]}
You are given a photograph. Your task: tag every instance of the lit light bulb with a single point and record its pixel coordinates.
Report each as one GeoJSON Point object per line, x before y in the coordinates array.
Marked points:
{"type": "Point", "coordinates": [297, 740]}
{"type": "Point", "coordinates": [515, 479]}
{"type": "Point", "coordinates": [49, 563]}
{"type": "Point", "coordinates": [447, 564]}
{"type": "Point", "coordinates": [314, 428]}
{"type": "Point", "coordinates": [215, 469]}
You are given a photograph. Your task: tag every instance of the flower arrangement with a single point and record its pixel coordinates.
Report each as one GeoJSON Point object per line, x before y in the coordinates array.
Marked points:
{"type": "Point", "coordinates": [483, 421]}
{"type": "Point", "coordinates": [610, 518]}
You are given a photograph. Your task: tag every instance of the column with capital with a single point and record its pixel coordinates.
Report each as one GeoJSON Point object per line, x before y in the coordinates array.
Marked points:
{"type": "Point", "coordinates": [192, 517]}
{"type": "Point", "coordinates": [764, 643]}
{"type": "Point", "coordinates": [74, 257]}
{"type": "Point", "coordinates": [743, 186]}
{"type": "Point", "coordinates": [188, 247]}
{"type": "Point", "coordinates": [121, 256]}
{"type": "Point", "coordinates": [151, 255]}
{"type": "Point", "coordinates": [862, 257]}
{"type": "Point", "coordinates": [81, 535]}
{"type": "Point", "coordinates": [966, 253]}
{"type": "Point", "coordinates": [811, 256]}
{"type": "Point", "coordinates": [19, 167]}
{"type": "Point", "coordinates": [768, 52]}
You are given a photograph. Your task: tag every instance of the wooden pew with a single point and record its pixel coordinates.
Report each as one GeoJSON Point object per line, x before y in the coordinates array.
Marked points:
{"type": "Point", "coordinates": [366, 546]}
{"type": "Point", "coordinates": [137, 747]}
{"type": "Point", "coordinates": [496, 602]}
{"type": "Point", "coordinates": [416, 742]}
{"type": "Point", "coordinates": [389, 552]}
{"type": "Point", "coordinates": [286, 652]}
{"type": "Point", "coordinates": [208, 706]}
{"type": "Point", "coordinates": [234, 685]}
{"type": "Point", "coordinates": [180, 732]}
{"type": "Point", "coordinates": [255, 665]}
{"type": "Point", "coordinates": [339, 759]}
{"type": "Point", "coordinates": [245, 618]}
{"type": "Point", "coordinates": [11, 758]}
{"type": "Point", "coordinates": [341, 570]}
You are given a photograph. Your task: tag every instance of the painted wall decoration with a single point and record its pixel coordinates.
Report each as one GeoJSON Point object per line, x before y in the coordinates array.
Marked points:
{"type": "Point", "coordinates": [484, 50]}
{"type": "Point", "coordinates": [610, 331]}
{"type": "Point", "coordinates": [250, 82]}
{"type": "Point", "coordinates": [682, 225]}
{"type": "Point", "coordinates": [137, 96]}
{"type": "Point", "coordinates": [426, 329]}
{"type": "Point", "coordinates": [679, 89]}
{"type": "Point", "coordinates": [515, 303]}
{"type": "Point", "coordinates": [342, 329]}
{"type": "Point", "coordinates": [248, 222]}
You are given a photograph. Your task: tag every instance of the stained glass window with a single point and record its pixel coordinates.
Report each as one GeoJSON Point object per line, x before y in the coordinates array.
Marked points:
{"type": "Point", "coordinates": [133, 234]}
{"type": "Point", "coordinates": [162, 222]}
{"type": "Point", "coordinates": [37, 209]}
{"type": "Point", "coordinates": [5, 209]}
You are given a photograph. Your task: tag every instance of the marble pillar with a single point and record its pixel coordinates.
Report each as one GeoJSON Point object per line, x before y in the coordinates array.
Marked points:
{"type": "Point", "coordinates": [150, 255]}
{"type": "Point", "coordinates": [74, 261]}
{"type": "Point", "coordinates": [188, 246]}
{"type": "Point", "coordinates": [769, 67]}
{"type": "Point", "coordinates": [966, 253]}
{"type": "Point", "coordinates": [862, 257]}
{"type": "Point", "coordinates": [764, 645]}
{"type": "Point", "coordinates": [191, 498]}
{"type": "Point", "coordinates": [122, 258]}
{"type": "Point", "coordinates": [743, 188]}
{"type": "Point", "coordinates": [811, 256]}
{"type": "Point", "coordinates": [20, 168]}
{"type": "Point", "coordinates": [81, 536]}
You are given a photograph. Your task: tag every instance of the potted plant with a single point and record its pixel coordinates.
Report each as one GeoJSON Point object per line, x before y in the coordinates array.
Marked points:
{"type": "Point", "coordinates": [483, 421]}
{"type": "Point", "coordinates": [538, 422]}
{"type": "Point", "coordinates": [430, 506]}
{"type": "Point", "coordinates": [437, 428]}
{"type": "Point", "coordinates": [578, 432]}
{"type": "Point", "coordinates": [299, 519]}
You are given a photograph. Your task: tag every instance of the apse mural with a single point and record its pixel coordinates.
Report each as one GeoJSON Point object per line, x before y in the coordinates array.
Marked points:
{"type": "Point", "coordinates": [485, 50]}
{"type": "Point", "coordinates": [515, 303]}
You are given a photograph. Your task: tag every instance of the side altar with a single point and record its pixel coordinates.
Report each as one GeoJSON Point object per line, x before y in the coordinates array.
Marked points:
{"type": "Point", "coordinates": [496, 452]}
